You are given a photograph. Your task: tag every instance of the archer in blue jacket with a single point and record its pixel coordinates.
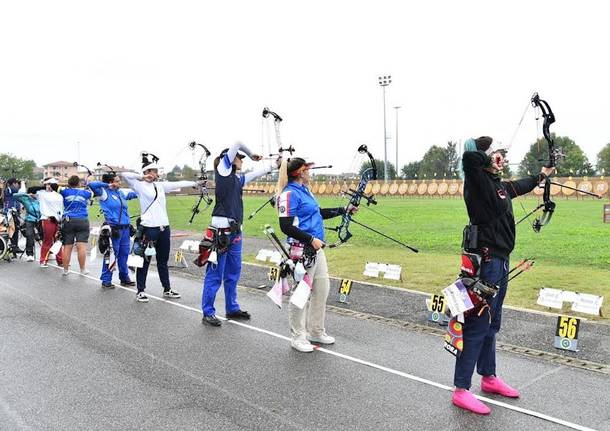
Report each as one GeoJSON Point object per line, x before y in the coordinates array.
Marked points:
{"type": "Point", "coordinates": [113, 202]}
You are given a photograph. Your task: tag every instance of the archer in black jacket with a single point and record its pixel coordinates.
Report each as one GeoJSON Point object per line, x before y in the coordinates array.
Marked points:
{"type": "Point", "coordinates": [488, 201]}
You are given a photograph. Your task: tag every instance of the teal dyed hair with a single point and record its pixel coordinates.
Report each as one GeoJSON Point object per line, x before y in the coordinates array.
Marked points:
{"type": "Point", "coordinates": [469, 145]}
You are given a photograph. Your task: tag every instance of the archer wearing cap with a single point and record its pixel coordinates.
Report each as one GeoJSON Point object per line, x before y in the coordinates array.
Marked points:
{"type": "Point", "coordinates": [490, 236]}
{"type": "Point", "coordinates": [227, 218]}
{"type": "Point", "coordinates": [154, 223]}
{"type": "Point", "coordinates": [301, 219]}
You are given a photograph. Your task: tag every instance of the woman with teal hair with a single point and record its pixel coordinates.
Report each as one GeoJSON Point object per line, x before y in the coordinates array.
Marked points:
{"type": "Point", "coordinates": [491, 239]}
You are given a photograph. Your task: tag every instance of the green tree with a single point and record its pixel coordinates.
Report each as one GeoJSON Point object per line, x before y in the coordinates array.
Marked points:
{"type": "Point", "coordinates": [11, 166]}
{"type": "Point", "coordinates": [410, 170]}
{"type": "Point", "coordinates": [175, 174]}
{"type": "Point", "coordinates": [189, 173]}
{"type": "Point", "coordinates": [575, 161]}
{"type": "Point", "coordinates": [603, 160]}
{"type": "Point", "coordinates": [380, 169]}
{"type": "Point", "coordinates": [435, 163]}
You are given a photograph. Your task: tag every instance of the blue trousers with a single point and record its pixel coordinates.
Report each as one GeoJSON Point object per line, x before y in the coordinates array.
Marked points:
{"type": "Point", "coordinates": [162, 247]}
{"type": "Point", "coordinates": [480, 331]}
{"type": "Point", "coordinates": [120, 246]}
{"type": "Point", "coordinates": [226, 272]}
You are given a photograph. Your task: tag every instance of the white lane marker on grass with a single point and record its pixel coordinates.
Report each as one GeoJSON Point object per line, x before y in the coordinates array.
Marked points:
{"type": "Point", "coordinates": [366, 363]}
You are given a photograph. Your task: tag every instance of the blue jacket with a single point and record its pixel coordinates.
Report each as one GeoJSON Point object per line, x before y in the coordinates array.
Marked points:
{"type": "Point", "coordinates": [32, 206]}
{"type": "Point", "coordinates": [112, 202]}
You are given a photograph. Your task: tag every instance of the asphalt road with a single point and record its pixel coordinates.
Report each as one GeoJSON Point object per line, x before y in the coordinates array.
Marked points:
{"type": "Point", "coordinates": [76, 357]}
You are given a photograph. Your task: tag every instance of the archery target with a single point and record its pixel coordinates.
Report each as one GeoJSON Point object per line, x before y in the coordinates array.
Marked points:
{"type": "Point", "coordinates": [412, 188]}
{"type": "Point", "coordinates": [586, 186]}
{"type": "Point", "coordinates": [601, 187]}
{"type": "Point", "coordinates": [393, 188]}
{"type": "Point", "coordinates": [421, 189]}
{"type": "Point", "coordinates": [453, 188]}
{"type": "Point", "coordinates": [432, 189]}
{"type": "Point", "coordinates": [568, 192]}
{"type": "Point", "coordinates": [442, 188]}
{"type": "Point", "coordinates": [376, 188]}
{"type": "Point", "coordinates": [384, 189]}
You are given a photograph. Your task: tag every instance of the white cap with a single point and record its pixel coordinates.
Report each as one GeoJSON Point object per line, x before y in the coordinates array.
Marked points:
{"type": "Point", "coordinates": [150, 166]}
{"type": "Point", "coordinates": [51, 181]}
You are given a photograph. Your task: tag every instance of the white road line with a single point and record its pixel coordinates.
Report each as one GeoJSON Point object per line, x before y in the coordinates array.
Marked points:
{"type": "Point", "coordinates": [364, 362]}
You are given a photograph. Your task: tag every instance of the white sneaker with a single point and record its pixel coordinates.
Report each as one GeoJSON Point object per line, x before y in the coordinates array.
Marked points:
{"type": "Point", "coordinates": [66, 272]}
{"type": "Point", "coordinates": [321, 339]}
{"type": "Point", "coordinates": [301, 345]}
{"type": "Point", "coordinates": [44, 265]}
{"type": "Point", "coordinates": [84, 271]}
{"type": "Point", "coordinates": [141, 297]}
{"type": "Point", "coordinates": [29, 259]}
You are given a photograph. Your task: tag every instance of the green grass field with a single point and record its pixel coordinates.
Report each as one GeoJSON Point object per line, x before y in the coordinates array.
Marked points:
{"type": "Point", "coordinates": [571, 253]}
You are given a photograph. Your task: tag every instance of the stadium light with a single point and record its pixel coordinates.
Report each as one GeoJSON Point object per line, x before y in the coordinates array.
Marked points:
{"type": "Point", "coordinates": [384, 81]}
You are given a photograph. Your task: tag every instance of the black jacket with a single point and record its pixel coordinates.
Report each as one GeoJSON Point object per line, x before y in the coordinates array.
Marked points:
{"type": "Point", "coordinates": [489, 204]}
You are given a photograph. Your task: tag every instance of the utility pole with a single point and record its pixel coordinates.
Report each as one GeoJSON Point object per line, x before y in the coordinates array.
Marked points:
{"type": "Point", "coordinates": [396, 139]}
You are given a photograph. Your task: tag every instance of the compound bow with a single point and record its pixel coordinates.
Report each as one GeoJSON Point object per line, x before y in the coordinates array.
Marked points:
{"type": "Point", "coordinates": [356, 196]}
{"type": "Point", "coordinates": [548, 206]}
{"type": "Point", "coordinates": [277, 120]}
{"type": "Point", "coordinates": [203, 178]}
{"type": "Point", "coordinates": [110, 168]}
{"type": "Point", "coordinates": [86, 180]}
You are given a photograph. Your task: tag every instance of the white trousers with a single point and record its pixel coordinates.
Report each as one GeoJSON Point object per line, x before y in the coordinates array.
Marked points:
{"type": "Point", "coordinates": [311, 318]}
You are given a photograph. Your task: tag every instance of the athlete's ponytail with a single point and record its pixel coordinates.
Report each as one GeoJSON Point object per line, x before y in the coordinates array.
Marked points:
{"type": "Point", "coordinates": [282, 177]}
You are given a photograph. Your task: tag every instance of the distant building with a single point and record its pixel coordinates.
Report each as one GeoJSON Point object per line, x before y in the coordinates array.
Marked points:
{"type": "Point", "coordinates": [60, 170]}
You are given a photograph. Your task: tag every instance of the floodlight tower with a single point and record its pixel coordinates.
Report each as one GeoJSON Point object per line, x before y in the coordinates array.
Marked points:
{"type": "Point", "coordinates": [384, 81]}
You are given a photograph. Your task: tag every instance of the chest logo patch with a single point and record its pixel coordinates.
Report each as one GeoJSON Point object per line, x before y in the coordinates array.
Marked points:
{"type": "Point", "coordinates": [502, 194]}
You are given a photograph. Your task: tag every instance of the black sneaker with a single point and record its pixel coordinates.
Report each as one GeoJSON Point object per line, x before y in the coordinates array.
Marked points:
{"type": "Point", "coordinates": [128, 283]}
{"type": "Point", "coordinates": [171, 294]}
{"type": "Point", "coordinates": [141, 297]}
{"type": "Point", "coordinates": [107, 286]}
{"type": "Point", "coordinates": [211, 320]}
{"type": "Point", "coordinates": [239, 315]}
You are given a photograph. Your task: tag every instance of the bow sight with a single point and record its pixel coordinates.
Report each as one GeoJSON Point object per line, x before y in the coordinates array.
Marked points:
{"type": "Point", "coordinates": [110, 168]}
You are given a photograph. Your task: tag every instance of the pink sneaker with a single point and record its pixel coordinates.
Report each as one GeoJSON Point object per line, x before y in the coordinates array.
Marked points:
{"type": "Point", "coordinates": [465, 400]}
{"type": "Point", "coordinates": [495, 385]}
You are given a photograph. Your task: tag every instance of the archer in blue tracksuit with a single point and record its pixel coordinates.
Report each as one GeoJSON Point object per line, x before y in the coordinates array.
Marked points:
{"type": "Point", "coordinates": [113, 202]}
{"type": "Point", "coordinates": [227, 217]}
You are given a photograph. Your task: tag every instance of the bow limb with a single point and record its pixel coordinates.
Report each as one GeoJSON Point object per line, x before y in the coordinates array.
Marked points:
{"type": "Point", "coordinates": [204, 195]}
{"type": "Point", "coordinates": [277, 121]}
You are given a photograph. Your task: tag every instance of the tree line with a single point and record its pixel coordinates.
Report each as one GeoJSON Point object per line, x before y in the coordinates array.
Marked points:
{"type": "Point", "coordinates": [444, 162]}
{"type": "Point", "coordinates": [438, 162]}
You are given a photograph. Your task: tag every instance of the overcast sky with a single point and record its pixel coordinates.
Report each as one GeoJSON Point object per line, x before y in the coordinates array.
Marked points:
{"type": "Point", "coordinates": [125, 76]}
